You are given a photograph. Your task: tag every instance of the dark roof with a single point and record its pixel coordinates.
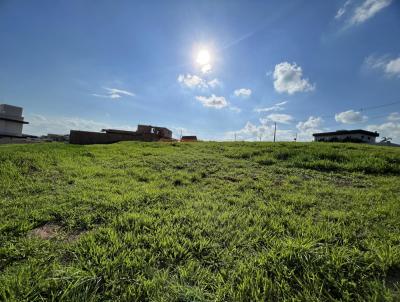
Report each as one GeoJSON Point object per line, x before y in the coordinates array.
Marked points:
{"type": "Point", "coordinates": [189, 137]}
{"type": "Point", "coordinates": [116, 131]}
{"type": "Point", "coordinates": [343, 132]}
{"type": "Point", "coordinates": [12, 120]}
{"type": "Point", "coordinates": [9, 135]}
{"type": "Point", "coordinates": [150, 126]}
{"type": "Point", "coordinates": [17, 136]}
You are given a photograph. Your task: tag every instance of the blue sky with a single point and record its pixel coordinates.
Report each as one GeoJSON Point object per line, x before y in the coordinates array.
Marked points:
{"type": "Point", "coordinates": [308, 65]}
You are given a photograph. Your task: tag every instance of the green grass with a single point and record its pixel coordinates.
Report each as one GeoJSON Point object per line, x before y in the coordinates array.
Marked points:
{"type": "Point", "coordinates": [200, 222]}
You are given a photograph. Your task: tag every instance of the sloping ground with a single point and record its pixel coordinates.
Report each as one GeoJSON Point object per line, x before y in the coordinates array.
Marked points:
{"type": "Point", "coordinates": [199, 222]}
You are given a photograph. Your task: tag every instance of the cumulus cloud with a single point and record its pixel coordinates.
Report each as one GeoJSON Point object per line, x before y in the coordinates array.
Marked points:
{"type": "Point", "coordinates": [393, 67]}
{"type": "Point", "coordinates": [265, 130]}
{"type": "Point", "coordinates": [278, 118]}
{"type": "Point", "coordinates": [252, 132]}
{"type": "Point", "coordinates": [177, 131]}
{"type": "Point", "coordinates": [390, 66]}
{"type": "Point", "coordinates": [194, 81]}
{"type": "Point", "coordinates": [394, 116]}
{"type": "Point", "coordinates": [242, 92]}
{"type": "Point", "coordinates": [40, 124]}
{"type": "Point", "coordinates": [389, 129]}
{"type": "Point", "coordinates": [350, 117]}
{"type": "Point", "coordinates": [275, 107]}
{"type": "Point", "coordinates": [114, 93]}
{"type": "Point", "coordinates": [206, 68]}
{"type": "Point", "coordinates": [367, 10]}
{"type": "Point", "coordinates": [289, 78]}
{"type": "Point", "coordinates": [312, 125]}
{"type": "Point", "coordinates": [214, 101]}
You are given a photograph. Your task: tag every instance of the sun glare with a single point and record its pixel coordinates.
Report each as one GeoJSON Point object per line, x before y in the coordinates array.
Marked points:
{"type": "Point", "coordinates": [203, 57]}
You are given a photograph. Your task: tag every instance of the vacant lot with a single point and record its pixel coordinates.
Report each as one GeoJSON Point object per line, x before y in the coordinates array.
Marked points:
{"type": "Point", "coordinates": [199, 222]}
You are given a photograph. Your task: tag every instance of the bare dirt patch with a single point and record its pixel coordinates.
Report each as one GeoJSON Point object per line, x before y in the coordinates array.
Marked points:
{"type": "Point", "coordinates": [55, 231]}
{"type": "Point", "coordinates": [47, 231]}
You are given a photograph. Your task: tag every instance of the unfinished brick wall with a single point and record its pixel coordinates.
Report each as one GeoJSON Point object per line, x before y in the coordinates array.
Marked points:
{"type": "Point", "coordinates": [90, 138]}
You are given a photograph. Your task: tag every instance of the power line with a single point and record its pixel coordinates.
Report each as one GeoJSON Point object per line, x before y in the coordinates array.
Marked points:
{"type": "Point", "coordinates": [368, 108]}
{"type": "Point", "coordinates": [379, 106]}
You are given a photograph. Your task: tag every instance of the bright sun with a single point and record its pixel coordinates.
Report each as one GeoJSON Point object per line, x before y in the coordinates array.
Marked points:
{"type": "Point", "coordinates": [203, 57]}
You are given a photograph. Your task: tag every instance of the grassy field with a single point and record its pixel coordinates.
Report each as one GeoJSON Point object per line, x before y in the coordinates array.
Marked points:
{"type": "Point", "coordinates": [199, 222]}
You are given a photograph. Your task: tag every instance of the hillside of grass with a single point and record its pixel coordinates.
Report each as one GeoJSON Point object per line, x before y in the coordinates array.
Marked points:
{"type": "Point", "coordinates": [199, 222]}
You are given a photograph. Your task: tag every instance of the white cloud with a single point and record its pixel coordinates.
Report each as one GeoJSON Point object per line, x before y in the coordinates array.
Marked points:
{"type": "Point", "coordinates": [278, 118]}
{"type": "Point", "coordinates": [214, 101]}
{"type": "Point", "coordinates": [391, 67]}
{"type": "Point", "coordinates": [389, 129]}
{"type": "Point", "coordinates": [394, 116]}
{"type": "Point", "coordinates": [251, 132]}
{"type": "Point", "coordinates": [235, 109]}
{"type": "Point", "coordinates": [214, 83]}
{"type": "Point", "coordinates": [311, 124]}
{"type": "Point", "coordinates": [289, 78]}
{"type": "Point", "coordinates": [276, 107]}
{"type": "Point", "coordinates": [242, 92]}
{"type": "Point", "coordinates": [206, 68]}
{"type": "Point", "coordinates": [177, 131]}
{"type": "Point", "coordinates": [367, 10]}
{"type": "Point", "coordinates": [113, 96]}
{"type": "Point", "coordinates": [194, 81]}
{"type": "Point", "coordinates": [113, 93]}
{"type": "Point", "coordinates": [350, 117]}
{"type": "Point", "coordinates": [373, 62]}
{"type": "Point", "coordinates": [343, 9]}
{"type": "Point", "coordinates": [39, 125]}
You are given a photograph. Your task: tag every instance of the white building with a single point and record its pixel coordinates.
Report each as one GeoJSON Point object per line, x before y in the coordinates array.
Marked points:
{"type": "Point", "coordinates": [11, 121]}
{"type": "Point", "coordinates": [359, 135]}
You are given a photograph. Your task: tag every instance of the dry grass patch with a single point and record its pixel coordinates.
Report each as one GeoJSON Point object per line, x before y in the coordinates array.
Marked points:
{"type": "Point", "coordinates": [47, 231]}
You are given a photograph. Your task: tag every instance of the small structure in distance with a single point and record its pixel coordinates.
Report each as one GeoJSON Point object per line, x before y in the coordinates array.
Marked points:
{"type": "Point", "coordinates": [146, 133]}
{"type": "Point", "coordinates": [189, 138]}
{"type": "Point", "coordinates": [11, 121]}
{"type": "Point", "coordinates": [360, 136]}
{"type": "Point", "coordinates": [51, 137]}
{"type": "Point", "coordinates": [11, 124]}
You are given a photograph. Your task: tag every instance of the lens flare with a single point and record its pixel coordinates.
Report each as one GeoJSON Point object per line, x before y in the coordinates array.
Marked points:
{"type": "Point", "coordinates": [203, 57]}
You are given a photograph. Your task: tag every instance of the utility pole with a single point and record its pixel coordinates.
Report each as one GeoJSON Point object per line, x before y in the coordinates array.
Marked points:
{"type": "Point", "coordinates": [295, 139]}
{"type": "Point", "coordinates": [181, 134]}
{"type": "Point", "coordinates": [235, 136]}
{"type": "Point", "coordinates": [274, 132]}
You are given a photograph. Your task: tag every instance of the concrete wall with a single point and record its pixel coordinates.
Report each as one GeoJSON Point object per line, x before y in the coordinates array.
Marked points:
{"type": "Point", "coordinates": [358, 136]}
{"type": "Point", "coordinates": [10, 128]}
{"type": "Point", "coordinates": [11, 111]}
{"type": "Point", "coordinates": [89, 138]}
{"type": "Point", "coordinates": [8, 113]}
{"type": "Point", "coordinates": [160, 131]}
